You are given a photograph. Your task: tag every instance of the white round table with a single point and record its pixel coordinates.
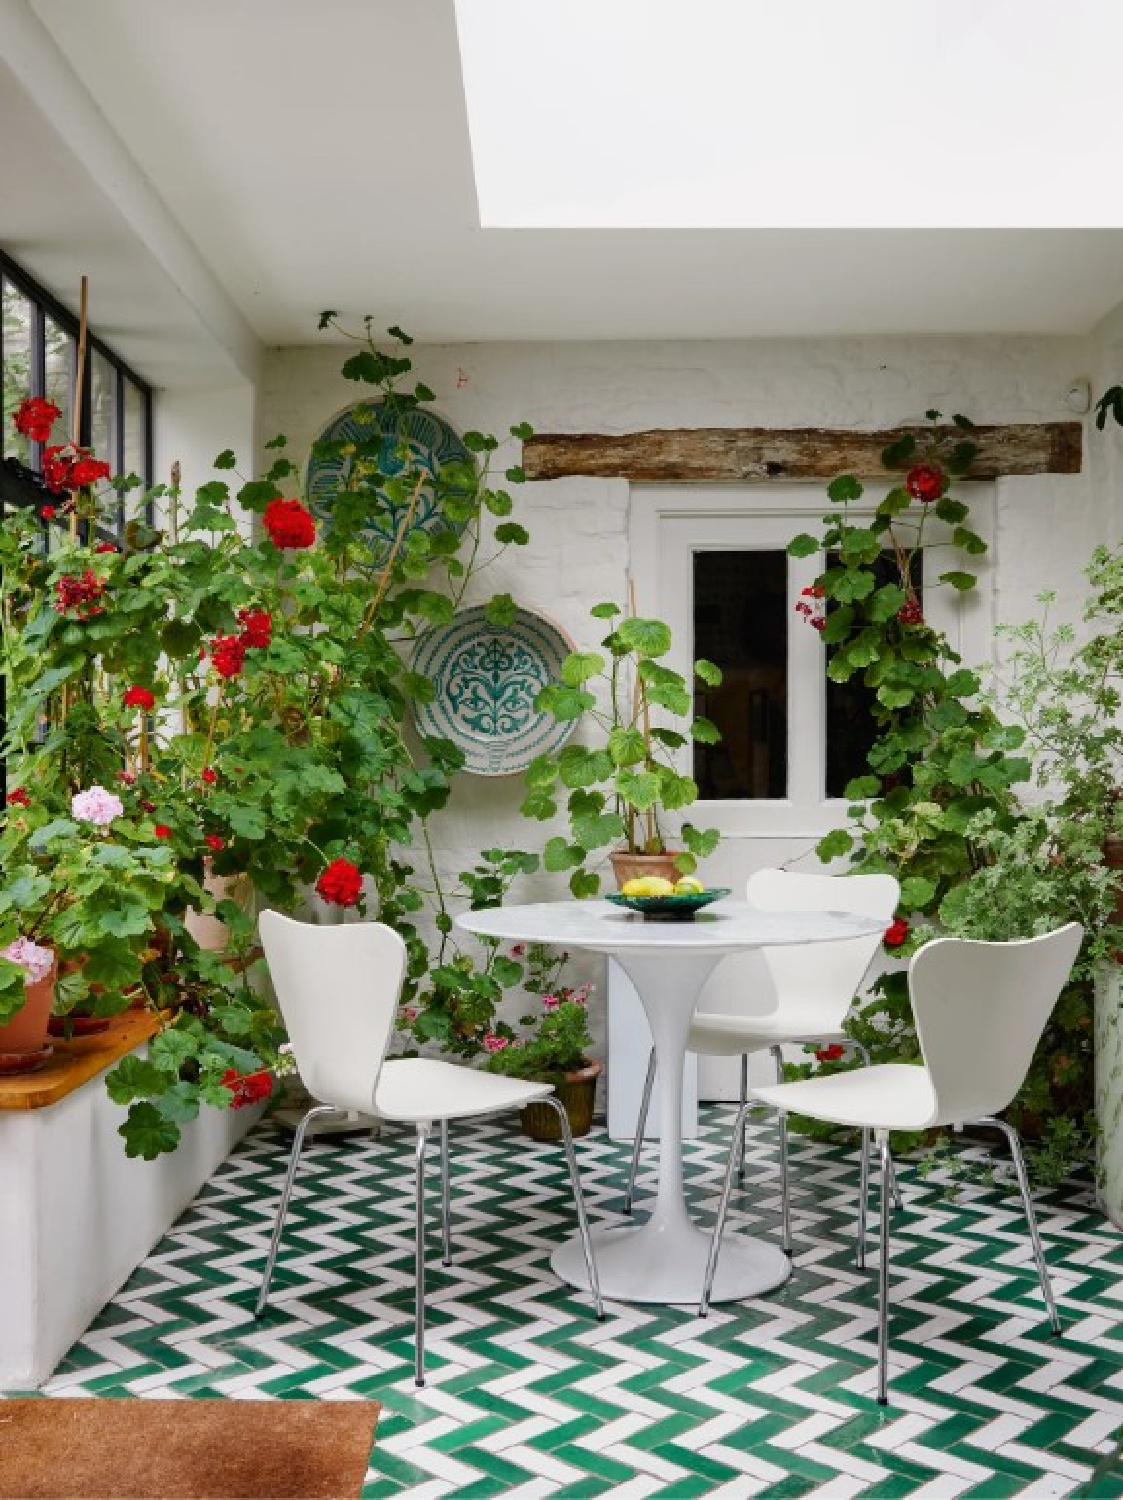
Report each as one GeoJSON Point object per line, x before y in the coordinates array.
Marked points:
{"type": "Point", "coordinates": [664, 1259]}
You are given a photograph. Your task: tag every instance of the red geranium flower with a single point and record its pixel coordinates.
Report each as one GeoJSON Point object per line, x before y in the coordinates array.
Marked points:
{"type": "Point", "coordinates": [831, 1053]}
{"type": "Point", "coordinates": [19, 798]}
{"type": "Point", "coordinates": [47, 513]}
{"type": "Point", "coordinates": [910, 613]}
{"type": "Point", "coordinates": [35, 416]}
{"type": "Point", "coordinates": [247, 1088]}
{"type": "Point", "coordinates": [209, 775]}
{"type": "Point", "coordinates": [67, 467]}
{"type": "Point", "coordinates": [289, 524]}
{"type": "Point", "coordinates": [162, 831]}
{"type": "Point", "coordinates": [78, 594]}
{"type": "Point", "coordinates": [214, 842]}
{"type": "Point", "coordinates": [138, 697]}
{"type": "Point", "coordinates": [257, 628]}
{"type": "Point", "coordinates": [341, 882]}
{"type": "Point", "coordinates": [925, 482]}
{"type": "Point", "coordinates": [228, 655]}
{"type": "Point", "coordinates": [896, 933]}
{"type": "Point", "coordinates": [105, 547]}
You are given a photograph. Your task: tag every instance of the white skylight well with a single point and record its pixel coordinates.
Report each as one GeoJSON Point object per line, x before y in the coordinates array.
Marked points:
{"type": "Point", "coordinates": [794, 113]}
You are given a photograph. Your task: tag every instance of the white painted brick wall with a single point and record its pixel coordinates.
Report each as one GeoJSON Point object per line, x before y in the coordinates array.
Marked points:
{"type": "Point", "coordinates": [578, 552]}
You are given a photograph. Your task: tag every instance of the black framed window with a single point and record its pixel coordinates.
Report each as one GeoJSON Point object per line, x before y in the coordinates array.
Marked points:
{"type": "Point", "coordinates": [39, 357]}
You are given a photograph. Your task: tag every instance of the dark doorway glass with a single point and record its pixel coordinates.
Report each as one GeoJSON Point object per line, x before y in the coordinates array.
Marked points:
{"type": "Point", "coordinates": [741, 624]}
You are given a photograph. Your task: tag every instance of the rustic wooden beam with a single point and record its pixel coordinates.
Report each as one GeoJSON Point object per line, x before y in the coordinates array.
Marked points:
{"type": "Point", "coordinates": [756, 455]}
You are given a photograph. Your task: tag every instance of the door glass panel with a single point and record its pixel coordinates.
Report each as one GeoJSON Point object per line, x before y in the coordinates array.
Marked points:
{"type": "Point", "coordinates": [103, 410]}
{"type": "Point", "coordinates": [134, 430]}
{"type": "Point", "coordinates": [851, 729]}
{"type": "Point", "coordinates": [60, 351]}
{"type": "Point", "coordinates": [741, 623]}
{"type": "Point", "coordinates": [17, 369]}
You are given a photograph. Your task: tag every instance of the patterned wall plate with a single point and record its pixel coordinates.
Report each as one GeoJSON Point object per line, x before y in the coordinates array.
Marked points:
{"type": "Point", "coordinates": [486, 678]}
{"type": "Point", "coordinates": [431, 443]}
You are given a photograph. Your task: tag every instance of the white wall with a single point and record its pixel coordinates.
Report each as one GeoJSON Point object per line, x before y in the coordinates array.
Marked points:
{"type": "Point", "coordinates": [1045, 526]}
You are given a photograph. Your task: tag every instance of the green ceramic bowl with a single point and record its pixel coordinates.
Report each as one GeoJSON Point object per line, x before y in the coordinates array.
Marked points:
{"type": "Point", "coordinates": [669, 908]}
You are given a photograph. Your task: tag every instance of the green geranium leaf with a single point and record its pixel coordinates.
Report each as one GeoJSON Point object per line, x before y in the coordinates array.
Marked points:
{"type": "Point", "coordinates": [917, 892]}
{"type": "Point", "coordinates": [644, 637]}
{"type": "Point", "coordinates": [605, 611]}
{"type": "Point", "coordinates": [626, 746]}
{"type": "Point", "coordinates": [561, 855]}
{"type": "Point", "coordinates": [501, 610]}
{"type": "Point", "coordinates": [640, 791]}
{"type": "Point", "coordinates": [147, 1133]}
{"type": "Point", "coordinates": [836, 843]}
{"type": "Point", "coordinates": [844, 488]}
{"type": "Point", "coordinates": [705, 732]}
{"type": "Point", "coordinates": [580, 666]}
{"type": "Point", "coordinates": [960, 581]}
{"type": "Point", "coordinates": [584, 883]}
{"type": "Point", "coordinates": [709, 672]}
{"type": "Point", "coordinates": [803, 545]}
{"type": "Point", "coordinates": [511, 533]}
{"type": "Point", "coordinates": [226, 459]}
{"type": "Point", "coordinates": [563, 702]}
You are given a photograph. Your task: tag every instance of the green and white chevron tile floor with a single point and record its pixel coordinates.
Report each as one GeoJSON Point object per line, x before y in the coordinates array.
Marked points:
{"type": "Point", "coordinates": [529, 1396]}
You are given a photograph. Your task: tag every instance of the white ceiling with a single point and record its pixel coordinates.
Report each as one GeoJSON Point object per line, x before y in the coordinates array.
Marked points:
{"type": "Point", "coordinates": [317, 155]}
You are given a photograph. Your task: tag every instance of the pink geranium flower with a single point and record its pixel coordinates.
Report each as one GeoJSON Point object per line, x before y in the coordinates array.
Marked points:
{"type": "Point", "coordinates": [35, 961]}
{"type": "Point", "coordinates": [96, 806]}
{"type": "Point", "coordinates": [493, 1043]}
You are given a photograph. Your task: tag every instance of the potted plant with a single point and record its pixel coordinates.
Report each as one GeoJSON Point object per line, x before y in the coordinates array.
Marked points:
{"type": "Point", "coordinates": [621, 787]}
{"type": "Point", "coordinates": [27, 986]}
{"type": "Point", "coordinates": [552, 1046]}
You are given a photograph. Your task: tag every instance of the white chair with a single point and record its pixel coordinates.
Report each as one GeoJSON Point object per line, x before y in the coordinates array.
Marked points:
{"type": "Point", "coordinates": [338, 989]}
{"type": "Point", "coordinates": [815, 988]}
{"type": "Point", "coordinates": [980, 1009]}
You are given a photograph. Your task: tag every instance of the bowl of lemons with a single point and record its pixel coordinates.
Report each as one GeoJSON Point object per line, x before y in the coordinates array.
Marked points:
{"type": "Point", "coordinates": [659, 900]}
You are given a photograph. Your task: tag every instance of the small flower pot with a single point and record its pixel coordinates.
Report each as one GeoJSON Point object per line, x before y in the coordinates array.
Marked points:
{"type": "Point", "coordinates": [627, 866]}
{"type": "Point", "coordinates": [540, 1122]}
{"type": "Point", "coordinates": [23, 1041]}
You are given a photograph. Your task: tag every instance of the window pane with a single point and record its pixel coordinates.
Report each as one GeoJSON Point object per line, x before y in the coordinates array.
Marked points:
{"type": "Point", "coordinates": [17, 369]}
{"type": "Point", "coordinates": [851, 730]}
{"type": "Point", "coordinates": [134, 430]}
{"type": "Point", "coordinates": [741, 623]}
{"type": "Point", "coordinates": [103, 413]}
{"type": "Point", "coordinates": [61, 353]}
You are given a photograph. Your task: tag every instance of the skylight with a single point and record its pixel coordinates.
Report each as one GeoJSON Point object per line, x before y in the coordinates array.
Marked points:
{"type": "Point", "coordinates": [732, 114]}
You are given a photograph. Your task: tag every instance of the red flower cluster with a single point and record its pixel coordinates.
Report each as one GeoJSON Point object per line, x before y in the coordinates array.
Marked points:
{"type": "Point", "coordinates": [228, 655]}
{"type": "Point", "coordinates": [896, 933]}
{"type": "Point", "coordinates": [247, 1088]}
{"type": "Point", "coordinates": [341, 882]}
{"type": "Point", "coordinates": [19, 798]}
{"type": "Point", "coordinates": [105, 547]}
{"type": "Point", "coordinates": [812, 612]}
{"type": "Point", "coordinates": [138, 697]}
{"type": "Point", "coordinates": [67, 467]}
{"type": "Point", "coordinates": [214, 842]}
{"type": "Point", "coordinates": [257, 628]}
{"type": "Point", "coordinates": [831, 1053]}
{"type": "Point", "coordinates": [209, 775]}
{"type": "Point", "coordinates": [910, 613]}
{"type": "Point", "coordinates": [289, 524]}
{"type": "Point", "coordinates": [162, 831]}
{"type": "Point", "coordinates": [925, 482]}
{"type": "Point", "coordinates": [47, 513]}
{"type": "Point", "coordinates": [35, 416]}
{"type": "Point", "coordinates": [78, 594]}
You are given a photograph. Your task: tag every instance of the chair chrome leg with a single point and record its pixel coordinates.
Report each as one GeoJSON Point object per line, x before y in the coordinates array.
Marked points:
{"type": "Point", "coordinates": [446, 1199]}
{"type": "Point", "coordinates": [883, 1280]}
{"type": "Point", "coordinates": [1015, 1145]}
{"type": "Point", "coordinates": [641, 1126]}
{"type": "Point", "coordinates": [722, 1211]}
{"type": "Point", "coordinates": [579, 1199]}
{"type": "Point", "coordinates": [423, 1128]}
{"type": "Point", "coordinates": [782, 1126]}
{"type": "Point", "coordinates": [863, 1201]}
{"type": "Point", "coordinates": [744, 1101]}
{"type": "Point", "coordinates": [283, 1206]}
{"type": "Point", "coordinates": [863, 1053]}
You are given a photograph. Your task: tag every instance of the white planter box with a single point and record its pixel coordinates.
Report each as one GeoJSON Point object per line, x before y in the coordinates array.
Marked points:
{"type": "Point", "coordinates": [77, 1216]}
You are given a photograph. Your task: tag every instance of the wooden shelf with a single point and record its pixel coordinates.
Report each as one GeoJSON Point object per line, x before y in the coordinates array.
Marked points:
{"type": "Point", "coordinates": [75, 1062]}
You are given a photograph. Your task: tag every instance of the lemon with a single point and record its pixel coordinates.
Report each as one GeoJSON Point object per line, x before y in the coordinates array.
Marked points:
{"type": "Point", "coordinates": [657, 886]}
{"type": "Point", "coordinates": [688, 885]}
{"type": "Point", "coordinates": [636, 887]}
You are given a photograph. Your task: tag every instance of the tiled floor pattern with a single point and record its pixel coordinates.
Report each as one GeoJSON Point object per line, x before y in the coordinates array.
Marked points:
{"type": "Point", "coordinates": [529, 1396]}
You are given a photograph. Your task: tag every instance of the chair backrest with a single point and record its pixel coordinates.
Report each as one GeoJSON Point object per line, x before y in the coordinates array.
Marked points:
{"type": "Point", "coordinates": [826, 975]}
{"type": "Point", "coordinates": [338, 989]}
{"type": "Point", "coordinates": [980, 1009]}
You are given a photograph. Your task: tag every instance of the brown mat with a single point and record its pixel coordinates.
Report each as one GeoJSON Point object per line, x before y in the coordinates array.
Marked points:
{"type": "Point", "coordinates": [133, 1449]}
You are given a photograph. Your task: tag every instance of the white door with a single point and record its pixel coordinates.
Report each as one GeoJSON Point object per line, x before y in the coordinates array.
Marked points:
{"type": "Point", "coordinates": [713, 564]}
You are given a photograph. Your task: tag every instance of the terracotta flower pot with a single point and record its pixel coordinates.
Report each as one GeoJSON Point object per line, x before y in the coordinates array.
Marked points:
{"type": "Point", "coordinates": [25, 1035]}
{"type": "Point", "coordinates": [627, 866]}
{"type": "Point", "coordinates": [576, 1093]}
{"type": "Point", "coordinates": [207, 930]}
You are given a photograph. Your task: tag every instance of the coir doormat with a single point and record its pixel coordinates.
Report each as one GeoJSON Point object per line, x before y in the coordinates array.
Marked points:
{"type": "Point", "coordinates": [133, 1449]}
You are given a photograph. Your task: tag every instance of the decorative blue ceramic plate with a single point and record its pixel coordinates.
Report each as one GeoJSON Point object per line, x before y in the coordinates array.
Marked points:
{"type": "Point", "coordinates": [486, 679]}
{"type": "Point", "coordinates": [406, 440]}
{"type": "Point", "coordinates": [678, 908]}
